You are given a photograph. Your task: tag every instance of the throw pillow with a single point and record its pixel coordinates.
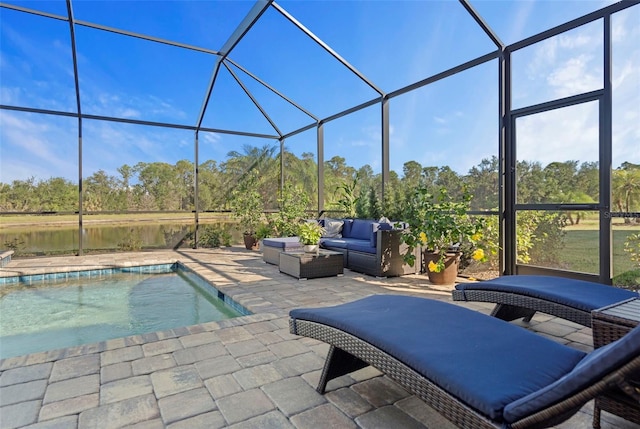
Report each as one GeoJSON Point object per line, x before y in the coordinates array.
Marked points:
{"type": "Point", "coordinates": [333, 228]}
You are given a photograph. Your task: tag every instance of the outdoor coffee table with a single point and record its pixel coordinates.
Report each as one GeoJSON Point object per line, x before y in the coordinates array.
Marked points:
{"type": "Point", "coordinates": [608, 324]}
{"type": "Point", "coordinates": [309, 265]}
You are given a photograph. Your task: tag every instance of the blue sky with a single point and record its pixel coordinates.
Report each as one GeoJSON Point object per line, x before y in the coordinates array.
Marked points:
{"type": "Point", "coordinates": [452, 122]}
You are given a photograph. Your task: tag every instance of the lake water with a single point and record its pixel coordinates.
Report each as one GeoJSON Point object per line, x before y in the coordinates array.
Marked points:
{"type": "Point", "coordinates": [64, 239]}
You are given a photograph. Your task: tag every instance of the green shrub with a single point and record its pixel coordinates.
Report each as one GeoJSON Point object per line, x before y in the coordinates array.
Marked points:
{"type": "Point", "coordinates": [632, 247]}
{"type": "Point", "coordinates": [16, 244]}
{"type": "Point", "coordinates": [214, 236]}
{"type": "Point", "coordinates": [293, 204]}
{"type": "Point", "coordinates": [132, 242]}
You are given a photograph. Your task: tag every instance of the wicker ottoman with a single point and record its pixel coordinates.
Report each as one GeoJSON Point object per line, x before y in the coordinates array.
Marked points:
{"type": "Point", "coordinates": [305, 265]}
{"type": "Point", "coordinates": [271, 248]}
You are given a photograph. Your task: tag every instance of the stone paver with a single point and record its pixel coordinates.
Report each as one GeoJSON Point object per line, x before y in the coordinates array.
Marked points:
{"type": "Point", "coordinates": [69, 406]}
{"type": "Point", "coordinates": [25, 374]}
{"type": "Point", "coordinates": [248, 372]}
{"type": "Point", "coordinates": [114, 372]}
{"type": "Point", "coordinates": [152, 364]}
{"type": "Point", "coordinates": [23, 392]}
{"type": "Point", "coordinates": [380, 391]}
{"type": "Point", "coordinates": [119, 414]}
{"type": "Point", "coordinates": [217, 366]}
{"type": "Point", "coordinates": [293, 395]}
{"type": "Point", "coordinates": [271, 420]}
{"type": "Point", "coordinates": [126, 388]}
{"type": "Point", "coordinates": [75, 367]}
{"type": "Point", "coordinates": [244, 405]}
{"type": "Point", "coordinates": [323, 416]}
{"type": "Point", "coordinates": [349, 402]}
{"type": "Point", "coordinates": [162, 347]}
{"type": "Point", "coordinates": [386, 417]}
{"type": "Point", "coordinates": [256, 376]}
{"type": "Point", "coordinates": [212, 420]}
{"type": "Point", "coordinates": [18, 415]}
{"type": "Point", "coordinates": [72, 388]}
{"type": "Point", "coordinates": [175, 380]}
{"type": "Point", "coordinates": [66, 422]}
{"type": "Point", "coordinates": [186, 404]}
{"type": "Point", "coordinates": [124, 354]}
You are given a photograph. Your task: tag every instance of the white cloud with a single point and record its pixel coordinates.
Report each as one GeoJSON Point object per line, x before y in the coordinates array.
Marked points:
{"type": "Point", "coordinates": [560, 135]}
{"type": "Point", "coordinates": [36, 145]}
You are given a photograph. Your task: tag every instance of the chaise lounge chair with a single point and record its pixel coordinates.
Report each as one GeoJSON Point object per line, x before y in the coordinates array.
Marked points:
{"type": "Point", "coordinates": [476, 370]}
{"type": "Point", "coordinates": [522, 295]}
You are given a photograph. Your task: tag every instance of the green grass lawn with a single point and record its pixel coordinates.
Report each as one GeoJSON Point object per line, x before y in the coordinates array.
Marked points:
{"type": "Point", "coordinates": [581, 251]}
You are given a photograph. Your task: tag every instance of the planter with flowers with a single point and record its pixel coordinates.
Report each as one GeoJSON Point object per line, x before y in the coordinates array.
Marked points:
{"type": "Point", "coordinates": [439, 225]}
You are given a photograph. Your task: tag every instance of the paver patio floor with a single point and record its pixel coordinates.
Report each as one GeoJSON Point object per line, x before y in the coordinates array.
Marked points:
{"type": "Point", "coordinates": [248, 372]}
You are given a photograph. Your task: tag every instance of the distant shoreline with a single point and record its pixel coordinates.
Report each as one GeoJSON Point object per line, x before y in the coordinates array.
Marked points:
{"type": "Point", "coordinates": [65, 221]}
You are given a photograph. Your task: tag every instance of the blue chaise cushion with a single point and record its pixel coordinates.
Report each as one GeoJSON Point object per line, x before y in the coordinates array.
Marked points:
{"type": "Point", "coordinates": [484, 361]}
{"type": "Point", "coordinates": [591, 369]}
{"type": "Point", "coordinates": [579, 294]}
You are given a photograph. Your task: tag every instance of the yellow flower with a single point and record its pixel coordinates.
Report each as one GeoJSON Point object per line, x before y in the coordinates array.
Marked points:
{"type": "Point", "coordinates": [423, 238]}
{"type": "Point", "coordinates": [478, 254]}
{"type": "Point", "coordinates": [477, 236]}
{"type": "Point", "coordinates": [433, 267]}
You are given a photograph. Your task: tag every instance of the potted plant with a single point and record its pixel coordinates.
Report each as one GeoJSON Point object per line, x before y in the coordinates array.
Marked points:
{"type": "Point", "coordinates": [310, 234]}
{"type": "Point", "coordinates": [247, 207]}
{"type": "Point", "coordinates": [292, 205]}
{"type": "Point", "coordinates": [439, 225]}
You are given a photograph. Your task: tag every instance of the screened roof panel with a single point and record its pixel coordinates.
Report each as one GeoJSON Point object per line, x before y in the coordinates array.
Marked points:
{"type": "Point", "coordinates": [396, 43]}
{"type": "Point", "coordinates": [132, 78]}
{"type": "Point", "coordinates": [206, 24]}
{"type": "Point", "coordinates": [36, 62]}
{"type": "Point", "coordinates": [283, 56]}
{"type": "Point", "coordinates": [282, 112]}
{"type": "Point", "coordinates": [230, 108]}
{"type": "Point", "coordinates": [564, 65]}
{"type": "Point", "coordinates": [56, 7]}
{"type": "Point", "coordinates": [516, 20]}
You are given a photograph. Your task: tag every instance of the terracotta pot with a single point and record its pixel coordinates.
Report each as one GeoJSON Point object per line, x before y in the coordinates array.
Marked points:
{"type": "Point", "coordinates": [251, 242]}
{"type": "Point", "coordinates": [451, 265]}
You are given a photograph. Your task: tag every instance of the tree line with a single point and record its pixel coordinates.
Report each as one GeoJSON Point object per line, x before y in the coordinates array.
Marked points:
{"type": "Point", "coordinates": [159, 186]}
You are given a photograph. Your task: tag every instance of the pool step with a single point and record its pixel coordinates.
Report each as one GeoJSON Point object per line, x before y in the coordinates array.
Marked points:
{"type": "Point", "coordinates": [5, 257]}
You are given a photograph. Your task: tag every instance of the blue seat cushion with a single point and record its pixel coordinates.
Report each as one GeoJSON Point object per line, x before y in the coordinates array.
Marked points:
{"type": "Point", "coordinates": [337, 243]}
{"type": "Point", "coordinates": [361, 246]}
{"type": "Point", "coordinates": [591, 369]}
{"type": "Point", "coordinates": [283, 242]}
{"type": "Point", "coordinates": [485, 362]}
{"type": "Point", "coordinates": [361, 228]}
{"type": "Point", "coordinates": [579, 294]}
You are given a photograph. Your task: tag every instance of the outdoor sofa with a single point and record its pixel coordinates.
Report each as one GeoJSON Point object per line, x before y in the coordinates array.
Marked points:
{"type": "Point", "coordinates": [477, 371]}
{"type": "Point", "coordinates": [368, 246]}
{"type": "Point", "coordinates": [520, 296]}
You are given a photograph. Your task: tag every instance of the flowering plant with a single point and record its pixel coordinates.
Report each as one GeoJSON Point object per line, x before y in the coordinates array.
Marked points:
{"type": "Point", "coordinates": [439, 224]}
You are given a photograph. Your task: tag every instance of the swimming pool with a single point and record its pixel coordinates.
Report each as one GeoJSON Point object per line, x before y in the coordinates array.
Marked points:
{"type": "Point", "coordinates": [44, 315]}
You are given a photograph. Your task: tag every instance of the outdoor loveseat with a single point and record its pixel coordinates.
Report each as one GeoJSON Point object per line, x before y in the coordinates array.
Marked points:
{"type": "Point", "coordinates": [368, 246]}
{"type": "Point", "coordinates": [477, 371]}
{"type": "Point", "coordinates": [520, 296]}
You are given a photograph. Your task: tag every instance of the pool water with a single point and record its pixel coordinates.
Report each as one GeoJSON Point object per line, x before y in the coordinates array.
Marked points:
{"type": "Point", "coordinates": [65, 314]}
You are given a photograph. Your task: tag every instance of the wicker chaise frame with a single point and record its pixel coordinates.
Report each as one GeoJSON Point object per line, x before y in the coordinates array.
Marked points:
{"type": "Point", "coordinates": [349, 353]}
{"type": "Point", "coordinates": [512, 306]}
